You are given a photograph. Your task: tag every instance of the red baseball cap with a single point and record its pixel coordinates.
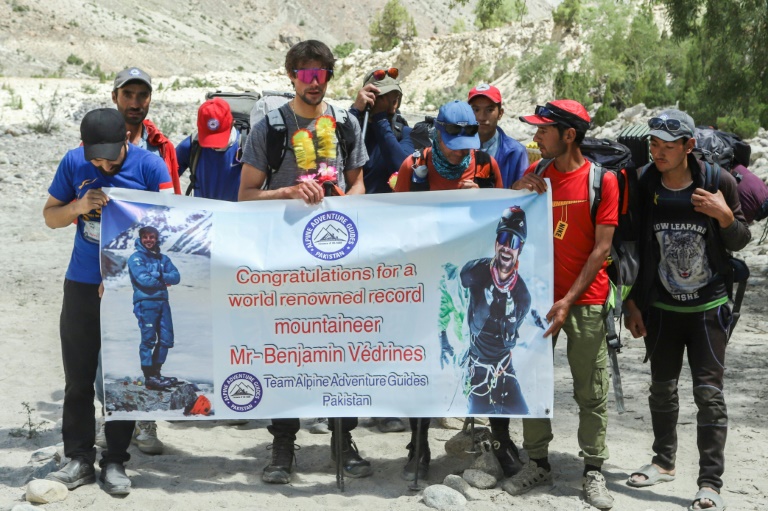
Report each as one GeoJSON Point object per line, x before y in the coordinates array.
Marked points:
{"type": "Point", "coordinates": [489, 91]}
{"type": "Point", "coordinates": [561, 111]}
{"type": "Point", "coordinates": [214, 123]}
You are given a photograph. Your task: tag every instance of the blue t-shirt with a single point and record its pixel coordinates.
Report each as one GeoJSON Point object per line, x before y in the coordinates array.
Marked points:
{"type": "Point", "coordinates": [141, 170]}
{"type": "Point", "coordinates": [218, 172]}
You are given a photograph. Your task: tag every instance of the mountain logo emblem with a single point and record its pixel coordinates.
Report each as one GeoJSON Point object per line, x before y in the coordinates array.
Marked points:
{"type": "Point", "coordinates": [330, 236]}
{"type": "Point", "coordinates": [241, 392]}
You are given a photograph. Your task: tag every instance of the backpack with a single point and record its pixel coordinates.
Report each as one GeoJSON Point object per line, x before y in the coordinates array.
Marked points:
{"type": "Point", "coordinates": [481, 159]}
{"type": "Point", "coordinates": [729, 147]}
{"type": "Point", "coordinates": [270, 100]}
{"type": "Point", "coordinates": [422, 132]}
{"type": "Point", "coordinates": [635, 138]}
{"type": "Point", "coordinates": [624, 258]}
{"type": "Point", "coordinates": [398, 124]}
{"type": "Point", "coordinates": [241, 104]}
{"type": "Point", "coordinates": [277, 138]}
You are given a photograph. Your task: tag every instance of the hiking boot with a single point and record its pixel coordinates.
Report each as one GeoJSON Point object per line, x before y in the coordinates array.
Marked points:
{"type": "Point", "coordinates": [279, 469]}
{"type": "Point", "coordinates": [145, 438]}
{"type": "Point", "coordinates": [595, 492]}
{"type": "Point", "coordinates": [115, 480]}
{"type": "Point", "coordinates": [319, 427]}
{"type": "Point", "coordinates": [76, 473]}
{"type": "Point", "coordinates": [507, 454]}
{"type": "Point", "coordinates": [353, 464]}
{"type": "Point", "coordinates": [170, 380]}
{"type": "Point", "coordinates": [528, 478]}
{"type": "Point", "coordinates": [156, 383]}
{"type": "Point", "coordinates": [422, 464]}
{"type": "Point", "coordinates": [101, 436]}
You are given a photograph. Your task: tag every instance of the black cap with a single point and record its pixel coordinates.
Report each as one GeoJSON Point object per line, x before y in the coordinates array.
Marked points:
{"type": "Point", "coordinates": [103, 134]}
{"type": "Point", "coordinates": [513, 220]}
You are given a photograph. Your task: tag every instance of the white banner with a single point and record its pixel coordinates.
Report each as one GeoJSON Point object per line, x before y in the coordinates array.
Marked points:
{"type": "Point", "coordinates": [396, 305]}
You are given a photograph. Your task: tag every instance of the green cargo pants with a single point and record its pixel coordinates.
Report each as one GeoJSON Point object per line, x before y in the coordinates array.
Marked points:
{"type": "Point", "coordinates": [588, 358]}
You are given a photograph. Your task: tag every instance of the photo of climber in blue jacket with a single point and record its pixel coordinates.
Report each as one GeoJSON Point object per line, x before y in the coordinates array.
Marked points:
{"type": "Point", "coordinates": [151, 273]}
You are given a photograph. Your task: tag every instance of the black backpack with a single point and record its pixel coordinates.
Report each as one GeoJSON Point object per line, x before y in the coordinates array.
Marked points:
{"type": "Point", "coordinates": [624, 259]}
{"type": "Point", "coordinates": [241, 104]}
{"type": "Point", "coordinates": [734, 150]}
{"type": "Point", "coordinates": [422, 132]}
{"type": "Point", "coordinates": [277, 138]}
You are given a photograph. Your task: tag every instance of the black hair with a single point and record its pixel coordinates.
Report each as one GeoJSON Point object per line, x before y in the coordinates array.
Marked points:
{"type": "Point", "coordinates": [579, 134]}
{"type": "Point", "coordinates": [306, 51]}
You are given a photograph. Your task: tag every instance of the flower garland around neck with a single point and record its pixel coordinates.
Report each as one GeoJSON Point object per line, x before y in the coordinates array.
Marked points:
{"type": "Point", "coordinates": [306, 156]}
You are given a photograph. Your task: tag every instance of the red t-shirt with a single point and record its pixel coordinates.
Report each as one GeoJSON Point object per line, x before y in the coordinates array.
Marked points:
{"type": "Point", "coordinates": [574, 232]}
{"type": "Point", "coordinates": [438, 182]}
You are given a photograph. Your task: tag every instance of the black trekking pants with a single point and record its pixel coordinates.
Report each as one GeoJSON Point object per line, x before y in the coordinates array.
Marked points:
{"type": "Point", "coordinates": [703, 335]}
{"type": "Point", "coordinates": [80, 331]}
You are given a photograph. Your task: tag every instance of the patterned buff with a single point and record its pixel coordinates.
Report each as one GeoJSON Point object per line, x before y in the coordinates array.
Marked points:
{"type": "Point", "coordinates": [445, 168]}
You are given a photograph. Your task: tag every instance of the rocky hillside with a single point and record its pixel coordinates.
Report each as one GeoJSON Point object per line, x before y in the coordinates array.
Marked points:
{"type": "Point", "coordinates": [166, 37]}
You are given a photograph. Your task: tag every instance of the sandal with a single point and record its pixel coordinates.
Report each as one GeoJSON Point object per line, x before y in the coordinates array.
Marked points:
{"type": "Point", "coordinates": [652, 474]}
{"type": "Point", "coordinates": [711, 495]}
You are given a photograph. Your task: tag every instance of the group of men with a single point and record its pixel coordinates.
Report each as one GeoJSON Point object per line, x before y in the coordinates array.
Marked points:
{"type": "Point", "coordinates": [674, 307]}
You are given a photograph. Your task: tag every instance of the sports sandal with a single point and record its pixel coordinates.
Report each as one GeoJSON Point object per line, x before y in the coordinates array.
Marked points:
{"type": "Point", "coordinates": [714, 497]}
{"type": "Point", "coordinates": [652, 474]}
{"type": "Point", "coordinates": [527, 479]}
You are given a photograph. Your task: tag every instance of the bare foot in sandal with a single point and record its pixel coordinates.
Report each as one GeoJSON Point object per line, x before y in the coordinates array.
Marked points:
{"type": "Point", "coordinates": [656, 473]}
{"type": "Point", "coordinates": [703, 502]}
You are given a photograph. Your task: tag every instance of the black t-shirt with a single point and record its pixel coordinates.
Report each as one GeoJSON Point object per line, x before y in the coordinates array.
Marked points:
{"type": "Point", "coordinates": [686, 276]}
{"type": "Point", "coordinates": [494, 316]}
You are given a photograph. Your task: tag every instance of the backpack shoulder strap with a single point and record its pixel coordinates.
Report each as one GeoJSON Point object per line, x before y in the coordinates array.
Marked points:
{"type": "Point", "coordinates": [345, 133]}
{"type": "Point", "coordinates": [596, 175]}
{"type": "Point", "coordinates": [542, 165]}
{"type": "Point", "coordinates": [711, 177]}
{"type": "Point", "coordinates": [277, 141]}
{"type": "Point", "coordinates": [194, 157]}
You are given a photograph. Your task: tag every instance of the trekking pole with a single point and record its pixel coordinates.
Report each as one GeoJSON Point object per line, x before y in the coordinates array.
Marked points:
{"type": "Point", "coordinates": [414, 486]}
{"type": "Point", "coordinates": [470, 421]}
{"type": "Point", "coordinates": [365, 120]}
{"type": "Point", "coordinates": [338, 447]}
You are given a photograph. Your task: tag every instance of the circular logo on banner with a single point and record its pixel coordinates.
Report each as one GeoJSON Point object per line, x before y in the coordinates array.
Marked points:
{"type": "Point", "coordinates": [241, 392]}
{"type": "Point", "coordinates": [330, 236]}
{"type": "Point", "coordinates": [213, 124]}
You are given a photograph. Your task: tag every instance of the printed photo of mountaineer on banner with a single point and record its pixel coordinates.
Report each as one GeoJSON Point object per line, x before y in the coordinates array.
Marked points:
{"type": "Point", "coordinates": [397, 305]}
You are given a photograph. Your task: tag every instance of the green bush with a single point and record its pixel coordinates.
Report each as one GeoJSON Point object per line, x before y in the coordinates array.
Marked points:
{"type": "Point", "coordinates": [390, 26]}
{"type": "Point", "coordinates": [745, 128]}
{"type": "Point", "coordinates": [493, 13]}
{"type": "Point", "coordinates": [567, 14]}
{"type": "Point", "coordinates": [344, 49]}
{"type": "Point", "coordinates": [74, 60]}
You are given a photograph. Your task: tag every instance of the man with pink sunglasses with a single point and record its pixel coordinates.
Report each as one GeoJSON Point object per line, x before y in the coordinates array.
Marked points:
{"type": "Point", "coordinates": [309, 65]}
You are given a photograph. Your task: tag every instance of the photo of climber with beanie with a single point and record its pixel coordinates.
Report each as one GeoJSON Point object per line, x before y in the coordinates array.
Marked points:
{"type": "Point", "coordinates": [499, 300]}
{"type": "Point", "coordinates": [151, 274]}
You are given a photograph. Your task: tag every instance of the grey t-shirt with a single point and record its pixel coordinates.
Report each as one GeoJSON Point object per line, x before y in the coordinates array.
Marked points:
{"type": "Point", "coordinates": [255, 149]}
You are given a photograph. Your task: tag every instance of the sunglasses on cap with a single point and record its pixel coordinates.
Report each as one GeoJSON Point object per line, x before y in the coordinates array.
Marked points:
{"type": "Point", "coordinates": [459, 129]}
{"type": "Point", "coordinates": [379, 74]}
{"type": "Point", "coordinates": [307, 75]}
{"type": "Point", "coordinates": [671, 125]}
{"type": "Point", "coordinates": [562, 116]}
{"type": "Point", "coordinates": [509, 239]}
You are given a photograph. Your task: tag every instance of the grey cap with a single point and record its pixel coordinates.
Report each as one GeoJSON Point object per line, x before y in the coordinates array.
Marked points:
{"type": "Point", "coordinates": [132, 74]}
{"type": "Point", "coordinates": [385, 85]}
{"type": "Point", "coordinates": [661, 129]}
